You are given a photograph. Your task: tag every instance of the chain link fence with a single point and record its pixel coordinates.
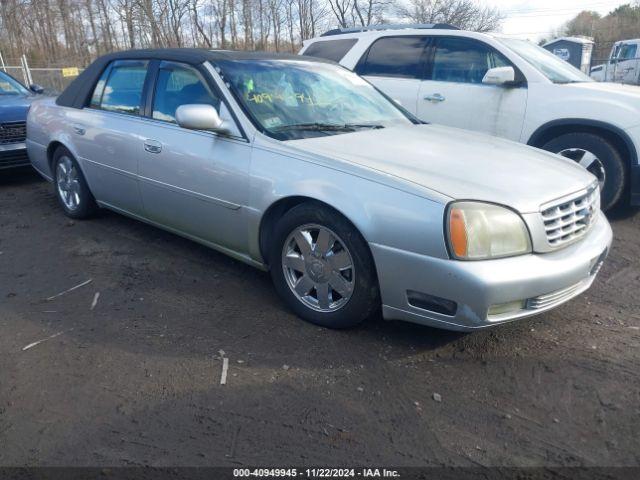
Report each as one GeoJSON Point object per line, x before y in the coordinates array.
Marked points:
{"type": "Point", "coordinates": [52, 79]}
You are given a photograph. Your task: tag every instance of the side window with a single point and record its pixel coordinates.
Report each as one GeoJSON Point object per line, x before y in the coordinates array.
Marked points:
{"type": "Point", "coordinates": [330, 49]}
{"type": "Point", "coordinates": [96, 98]}
{"type": "Point", "coordinates": [628, 52]}
{"type": "Point", "coordinates": [123, 89]}
{"type": "Point", "coordinates": [462, 60]}
{"type": "Point", "coordinates": [177, 85]}
{"type": "Point", "coordinates": [400, 57]}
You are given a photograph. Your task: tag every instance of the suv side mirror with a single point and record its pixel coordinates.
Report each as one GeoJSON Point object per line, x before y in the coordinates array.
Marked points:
{"type": "Point", "coordinates": [200, 117]}
{"type": "Point", "coordinates": [499, 76]}
{"type": "Point", "coordinates": [36, 89]}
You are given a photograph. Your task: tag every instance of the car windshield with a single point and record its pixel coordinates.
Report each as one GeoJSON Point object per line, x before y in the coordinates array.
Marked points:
{"type": "Point", "coordinates": [10, 86]}
{"type": "Point", "coordinates": [552, 67]}
{"type": "Point", "coordinates": [293, 99]}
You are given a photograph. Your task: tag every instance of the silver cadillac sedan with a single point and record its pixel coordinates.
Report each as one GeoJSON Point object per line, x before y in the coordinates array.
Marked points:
{"type": "Point", "coordinates": [301, 167]}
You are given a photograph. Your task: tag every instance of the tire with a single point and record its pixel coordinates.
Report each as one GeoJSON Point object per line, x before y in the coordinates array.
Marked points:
{"type": "Point", "coordinates": [610, 161]}
{"type": "Point", "coordinates": [70, 186]}
{"type": "Point", "coordinates": [313, 226]}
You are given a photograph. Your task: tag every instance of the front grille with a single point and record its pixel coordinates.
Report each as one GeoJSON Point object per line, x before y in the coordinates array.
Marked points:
{"type": "Point", "coordinates": [13, 132]}
{"type": "Point", "coordinates": [569, 220]}
{"type": "Point", "coordinates": [553, 298]}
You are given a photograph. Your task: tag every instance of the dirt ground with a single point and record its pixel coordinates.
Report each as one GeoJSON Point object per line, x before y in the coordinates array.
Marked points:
{"type": "Point", "coordinates": [136, 379]}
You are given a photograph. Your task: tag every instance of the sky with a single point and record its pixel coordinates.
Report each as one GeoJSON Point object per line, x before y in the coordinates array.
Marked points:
{"type": "Point", "coordinates": [537, 19]}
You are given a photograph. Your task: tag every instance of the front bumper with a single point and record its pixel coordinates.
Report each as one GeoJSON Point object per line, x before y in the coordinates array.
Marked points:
{"type": "Point", "coordinates": [540, 281]}
{"type": "Point", "coordinates": [13, 155]}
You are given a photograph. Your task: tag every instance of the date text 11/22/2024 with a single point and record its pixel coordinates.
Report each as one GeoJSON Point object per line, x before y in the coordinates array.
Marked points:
{"type": "Point", "coordinates": [316, 472]}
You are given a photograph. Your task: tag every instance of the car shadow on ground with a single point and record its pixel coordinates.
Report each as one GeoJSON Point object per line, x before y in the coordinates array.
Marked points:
{"type": "Point", "coordinates": [156, 286]}
{"type": "Point", "coordinates": [18, 176]}
{"type": "Point", "coordinates": [375, 329]}
{"type": "Point", "coordinates": [622, 212]}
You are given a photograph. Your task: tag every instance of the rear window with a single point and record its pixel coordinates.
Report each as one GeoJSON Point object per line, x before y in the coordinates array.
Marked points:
{"type": "Point", "coordinates": [401, 57]}
{"type": "Point", "coordinates": [330, 49]}
{"type": "Point", "coordinates": [122, 91]}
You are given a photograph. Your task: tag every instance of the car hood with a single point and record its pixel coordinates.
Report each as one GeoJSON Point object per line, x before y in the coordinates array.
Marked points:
{"type": "Point", "coordinates": [608, 89]}
{"type": "Point", "coordinates": [14, 108]}
{"type": "Point", "coordinates": [455, 163]}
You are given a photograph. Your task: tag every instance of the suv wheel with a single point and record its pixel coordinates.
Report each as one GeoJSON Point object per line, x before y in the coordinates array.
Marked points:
{"type": "Point", "coordinates": [322, 268]}
{"type": "Point", "coordinates": [599, 157]}
{"type": "Point", "coordinates": [71, 188]}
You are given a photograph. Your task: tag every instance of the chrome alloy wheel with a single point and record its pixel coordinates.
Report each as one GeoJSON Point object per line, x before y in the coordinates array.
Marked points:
{"type": "Point", "coordinates": [587, 160]}
{"type": "Point", "coordinates": [68, 183]}
{"type": "Point", "coordinates": [318, 268]}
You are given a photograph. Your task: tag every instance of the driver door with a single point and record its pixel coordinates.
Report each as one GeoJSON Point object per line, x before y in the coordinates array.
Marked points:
{"type": "Point", "coordinates": [191, 181]}
{"type": "Point", "coordinates": [453, 93]}
{"type": "Point", "coordinates": [627, 64]}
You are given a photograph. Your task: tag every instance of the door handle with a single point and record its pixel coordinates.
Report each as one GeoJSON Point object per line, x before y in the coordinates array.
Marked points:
{"type": "Point", "coordinates": [436, 97]}
{"type": "Point", "coordinates": [152, 146]}
{"type": "Point", "coordinates": [79, 129]}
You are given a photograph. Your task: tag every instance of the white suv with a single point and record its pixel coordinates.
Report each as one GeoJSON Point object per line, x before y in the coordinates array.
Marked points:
{"type": "Point", "coordinates": [500, 86]}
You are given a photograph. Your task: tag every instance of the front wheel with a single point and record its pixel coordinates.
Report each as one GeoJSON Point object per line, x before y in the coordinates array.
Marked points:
{"type": "Point", "coordinates": [321, 266]}
{"type": "Point", "coordinates": [597, 156]}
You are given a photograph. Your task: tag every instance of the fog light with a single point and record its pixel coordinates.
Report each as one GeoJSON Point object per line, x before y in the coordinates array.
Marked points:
{"type": "Point", "coordinates": [505, 308]}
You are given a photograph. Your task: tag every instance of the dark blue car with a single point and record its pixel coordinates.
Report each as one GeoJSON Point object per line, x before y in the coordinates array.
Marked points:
{"type": "Point", "coordinates": [15, 100]}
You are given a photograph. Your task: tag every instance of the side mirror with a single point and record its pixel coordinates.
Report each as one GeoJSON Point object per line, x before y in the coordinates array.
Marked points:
{"type": "Point", "coordinates": [499, 76]}
{"type": "Point", "coordinates": [200, 117]}
{"type": "Point", "coordinates": [36, 89]}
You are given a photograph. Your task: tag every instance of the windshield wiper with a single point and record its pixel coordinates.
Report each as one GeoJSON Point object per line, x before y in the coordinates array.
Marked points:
{"type": "Point", "coordinates": [364, 125]}
{"type": "Point", "coordinates": [325, 127]}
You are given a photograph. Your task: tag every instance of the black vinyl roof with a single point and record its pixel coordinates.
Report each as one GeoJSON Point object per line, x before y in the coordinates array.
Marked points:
{"type": "Point", "coordinates": [79, 91]}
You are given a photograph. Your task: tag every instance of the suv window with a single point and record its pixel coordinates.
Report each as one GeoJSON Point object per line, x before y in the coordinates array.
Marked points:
{"type": "Point", "coordinates": [179, 85]}
{"type": "Point", "coordinates": [330, 49]}
{"type": "Point", "coordinates": [628, 51]}
{"type": "Point", "coordinates": [401, 57]}
{"type": "Point", "coordinates": [463, 60]}
{"type": "Point", "coordinates": [122, 90]}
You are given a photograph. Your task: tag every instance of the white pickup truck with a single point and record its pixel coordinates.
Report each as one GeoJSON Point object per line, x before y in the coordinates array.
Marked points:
{"type": "Point", "coordinates": [623, 65]}
{"type": "Point", "coordinates": [500, 86]}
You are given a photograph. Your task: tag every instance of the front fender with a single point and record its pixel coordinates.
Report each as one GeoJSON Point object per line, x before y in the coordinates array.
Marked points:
{"type": "Point", "coordinates": [382, 214]}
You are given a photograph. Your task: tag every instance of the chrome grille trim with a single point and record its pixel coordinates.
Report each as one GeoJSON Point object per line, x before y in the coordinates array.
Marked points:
{"type": "Point", "coordinates": [13, 132]}
{"type": "Point", "coordinates": [553, 298]}
{"type": "Point", "coordinates": [569, 219]}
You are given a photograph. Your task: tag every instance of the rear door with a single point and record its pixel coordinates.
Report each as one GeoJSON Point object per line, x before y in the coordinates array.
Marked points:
{"type": "Point", "coordinates": [194, 182]}
{"type": "Point", "coordinates": [453, 93]}
{"type": "Point", "coordinates": [107, 133]}
{"type": "Point", "coordinates": [396, 66]}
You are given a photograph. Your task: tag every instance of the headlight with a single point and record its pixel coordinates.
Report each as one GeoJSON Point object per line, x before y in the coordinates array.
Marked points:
{"type": "Point", "coordinates": [479, 231]}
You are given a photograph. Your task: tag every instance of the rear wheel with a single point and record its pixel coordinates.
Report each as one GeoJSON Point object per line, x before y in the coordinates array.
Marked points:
{"type": "Point", "coordinates": [597, 156]}
{"type": "Point", "coordinates": [321, 266]}
{"type": "Point", "coordinates": [71, 188]}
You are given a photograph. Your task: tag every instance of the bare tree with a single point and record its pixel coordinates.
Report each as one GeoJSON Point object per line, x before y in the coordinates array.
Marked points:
{"type": "Point", "coordinates": [370, 11]}
{"type": "Point", "coordinates": [341, 10]}
{"type": "Point", "coordinates": [465, 14]}
{"type": "Point", "coordinates": [197, 23]}
{"type": "Point", "coordinates": [73, 32]}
